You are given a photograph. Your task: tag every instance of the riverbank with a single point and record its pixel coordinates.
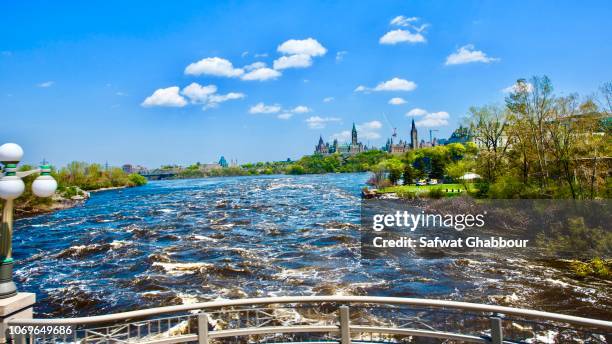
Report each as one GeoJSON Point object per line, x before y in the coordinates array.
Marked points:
{"type": "Point", "coordinates": [66, 199]}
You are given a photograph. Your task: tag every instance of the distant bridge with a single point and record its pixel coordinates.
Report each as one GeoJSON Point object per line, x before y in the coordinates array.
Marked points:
{"type": "Point", "coordinates": [158, 174]}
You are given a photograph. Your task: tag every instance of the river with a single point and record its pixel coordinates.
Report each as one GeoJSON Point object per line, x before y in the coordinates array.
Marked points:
{"type": "Point", "coordinates": [182, 241]}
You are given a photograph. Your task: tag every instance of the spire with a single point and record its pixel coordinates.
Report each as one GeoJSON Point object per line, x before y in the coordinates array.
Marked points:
{"type": "Point", "coordinates": [414, 138]}
{"type": "Point", "coordinates": [354, 135]}
{"type": "Point", "coordinates": [320, 140]}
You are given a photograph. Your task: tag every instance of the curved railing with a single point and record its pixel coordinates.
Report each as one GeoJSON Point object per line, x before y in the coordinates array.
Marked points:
{"type": "Point", "coordinates": [324, 319]}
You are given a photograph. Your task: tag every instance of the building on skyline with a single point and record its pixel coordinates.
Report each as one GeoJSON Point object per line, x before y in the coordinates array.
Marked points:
{"type": "Point", "coordinates": [129, 168]}
{"type": "Point", "coordinates": [324, 148]}
{"type": "Point", "coordinates": [403, 146]}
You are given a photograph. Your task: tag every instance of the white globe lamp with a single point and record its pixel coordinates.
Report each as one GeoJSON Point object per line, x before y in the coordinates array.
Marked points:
{"type": "Point", "coordinates": [11, 153]}
{"type": "Point", "coordinates": [44, 185]}
{"type": "Point", "coordinates": [11, 187]}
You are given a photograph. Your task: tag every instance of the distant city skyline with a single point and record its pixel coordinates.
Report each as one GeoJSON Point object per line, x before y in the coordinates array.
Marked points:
{"type": "Point", "coordinates": [178, 83]}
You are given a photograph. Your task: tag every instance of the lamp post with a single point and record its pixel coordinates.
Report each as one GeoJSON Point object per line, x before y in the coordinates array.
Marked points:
{"type": "Point", "coordinates": [11, 187]}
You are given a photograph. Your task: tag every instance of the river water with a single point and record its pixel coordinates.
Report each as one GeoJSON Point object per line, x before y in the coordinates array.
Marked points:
{"type": "Point", "coordinates": [183, 241]}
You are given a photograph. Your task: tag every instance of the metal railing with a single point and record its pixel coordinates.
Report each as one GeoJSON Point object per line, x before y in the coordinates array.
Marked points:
{"type": "Point", "coordinates": [324, 319]}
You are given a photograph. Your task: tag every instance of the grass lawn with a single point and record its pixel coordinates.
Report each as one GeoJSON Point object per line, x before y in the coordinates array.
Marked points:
{"type": "Point", "coordinates": [449, 189]}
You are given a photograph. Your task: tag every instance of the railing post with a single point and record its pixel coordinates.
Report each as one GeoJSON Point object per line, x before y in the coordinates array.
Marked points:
{"type": "Point", "coordinates": [345, 330]}
{"type": "Point", "coordinates": [497, 336]}
{"type": "Point", "coordinates": [202, 328]}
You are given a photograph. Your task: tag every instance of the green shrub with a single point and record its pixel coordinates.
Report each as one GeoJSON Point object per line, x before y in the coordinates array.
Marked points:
{"type": "Point", "coordinates": [436, 193]}
{"type": "Point", "coordinates": [406, 194]}
{"type": "Point", "coordinates": [596, 267]}
{"type": "Point", "coordinates": [506, 187]}
{"type": "Point", "coordinates": [137, 179]}
{"type": "Point", "coordinates": [295, 169]}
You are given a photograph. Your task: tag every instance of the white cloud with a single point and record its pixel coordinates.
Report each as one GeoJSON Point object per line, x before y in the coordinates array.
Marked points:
{"type": "Point", "coordinates": [293, 61]}
{"type": "Point", "coordinates": [286, 115]}
{"type": "Point", "coordinates": [261, 74]}
{"type": "Point", "coordinates": [215, 66]}
{"type": "Point", "coordinates": [416, 112]}
{"type": "Point", "coordinates": [45, 84]}
{"type": "Point", "coordinates": [198, 93]}
{"type": "Point", "coordinates": [261, 55]}
{"type": "Point", "coordinates": [434, 119]}
{"type": "Point", "coordinates": [301, 109]}
{"type": "Point", "coordinates": [525, 87]}
{"type": "Point", "coordinates": [408, 34]}
{"type": "Point", "coordinates": [207, 95]}
{"type": "Point", "coordinates": [467, 54]}
{"type": "Point", "coordinates": [254, 65]}
{"type": "Point", "coordinates": [397, 101]}
{"type": "Point", "coordinates": [169, 97]}
{"type": "Point", "coordinates": [367, 131]}
{"type": "Point", "coordinates": [215, 99]}
{"type": "Point", "coordinates": [401, 36]}
{"type": "Point", "coordinates": [309, 46]}
{"type": "Point", "coordinates": [396, 84]}
{"type": "Point", "coordinates": [263, 108]}
{"type": "Point", "coordinates": [360, 88]}
{"type": "Point", "coordinates": [340, 55]}
{"type": "Point", "coordinates": [316, 122]}
{"type": "Point", "coordinates": [403, 21]}
{"type": "Point", "coordinates": [328, 99]}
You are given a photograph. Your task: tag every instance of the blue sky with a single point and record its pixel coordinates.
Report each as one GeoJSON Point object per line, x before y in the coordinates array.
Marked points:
{"type": "Point", "coordinates": [78, 80]}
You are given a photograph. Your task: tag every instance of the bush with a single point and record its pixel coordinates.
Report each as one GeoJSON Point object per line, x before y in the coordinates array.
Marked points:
{"type": "Point", "coordinates": [436, 193]}
{"type": "Point", "coordinates": [406, 194]}
{"type": "Point", "coordinates": [137, 179]}
{"type": "Point", "coordinates": [295, 169]}
{"type": "Point", "coordinates": [596, 267]}
{"type": "Point", "coordinates": [506, 187]}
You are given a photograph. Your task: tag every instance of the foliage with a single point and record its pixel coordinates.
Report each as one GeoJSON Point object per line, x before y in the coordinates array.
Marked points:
{"type": "Point", "coordinates": [575, 239]}
{"type": "Point", "coordinates": [436, 193]}
{"type": "Point", "coordinates": [595, 267]}
{"type": "Point", "coordinates": [137, 179]}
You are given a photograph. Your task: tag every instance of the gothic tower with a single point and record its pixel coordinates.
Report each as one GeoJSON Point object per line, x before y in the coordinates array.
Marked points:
{"type": "Point", "coordinates": [414, 139]}
{"type": "Point", "coordinates": [354, 135]}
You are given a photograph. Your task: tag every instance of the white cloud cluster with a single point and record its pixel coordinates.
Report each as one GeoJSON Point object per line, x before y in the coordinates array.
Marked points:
{"type": "Point", "coordinates": [328, 99]}
{"type": "Point", "coordinates": [198, 93]}
{"type": "Point", "coordinates": [395, 84]}
{"type": "Point", "coordinates": [301, 109]}
{"type": "Point", "coordinates": [403, 21]}
{"type": "Point", "coordinates": [308, 46]}
{"type": "Point", "coordinates": [416, 112]}
{"type": "Point", "coordinates": [430, 119]}
{"type": "Point", "coordinates": [261, 74]}
{"type": "Point", "coordinates": [409, 33]}
{"type": "Point", "coordinates": [293, 61]}
{"type": "Point", "coordinates": [167, 97]}
{"type": "Point", "coordinates": [367, 130]}
{"type": "Point", "coordinates": [261, 108]}
{"type": "Point", "coordinates": [397, 101]}
{"type": "Point", "coordinates": [298, 53]}
{"type": "Point", "coordinates": [214, 66]}
{"type": "Point", "coordinates": [206, 96]}
{"type": "Point", "coordinates": [468, 54]}
{"type": "Point", "coordinates": [317, 122]}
